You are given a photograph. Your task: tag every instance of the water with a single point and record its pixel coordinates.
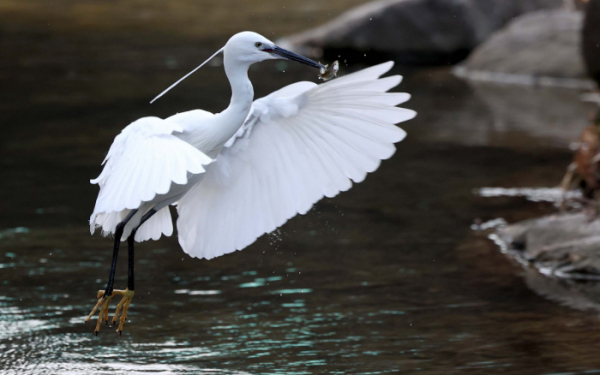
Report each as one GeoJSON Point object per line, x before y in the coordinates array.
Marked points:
{"type": "Point", "coordinates": [386, 278]}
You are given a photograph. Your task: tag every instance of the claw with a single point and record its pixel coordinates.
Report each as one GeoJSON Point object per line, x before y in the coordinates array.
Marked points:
{"type": "Point", "coordinates": [103, 305]}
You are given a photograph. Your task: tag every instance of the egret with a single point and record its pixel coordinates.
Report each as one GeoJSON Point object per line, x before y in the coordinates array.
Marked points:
{"type": "Point", "coordinates": [244, 172]}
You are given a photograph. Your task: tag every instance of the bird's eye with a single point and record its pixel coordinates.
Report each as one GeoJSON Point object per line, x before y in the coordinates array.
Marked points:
{"type": "Point", "coordinates": [258, 44]}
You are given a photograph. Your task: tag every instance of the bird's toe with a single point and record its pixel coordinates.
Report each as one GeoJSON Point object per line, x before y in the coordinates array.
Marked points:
{"type": "Point", "coordinates": [103, 305]}
{"type": "Point", "coordinates": [123, 307]}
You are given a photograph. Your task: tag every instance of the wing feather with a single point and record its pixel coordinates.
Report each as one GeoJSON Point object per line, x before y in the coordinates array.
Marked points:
{"type": "Point", "coordinates": [143, 162]}
{"type": "Point", "coordinates": [299, 144]}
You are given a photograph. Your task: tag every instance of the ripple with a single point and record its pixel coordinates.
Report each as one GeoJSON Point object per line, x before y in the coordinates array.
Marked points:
{"type": "Point", "coordinates": [11, 232]}
{"type": "Point", "coordinates": [291, 291]}
{"type": "Point", "coordinates": [198, 292]}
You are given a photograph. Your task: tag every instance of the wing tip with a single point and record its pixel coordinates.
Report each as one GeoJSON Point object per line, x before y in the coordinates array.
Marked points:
{"type": "Point", "coordinates": [401, 135]}
{"type": "Point", "coordinates": [396, 78]}
{"type": "Point", "coordinates": [388, 65]}
{"type": "Point", "coordinates": [411, 114]}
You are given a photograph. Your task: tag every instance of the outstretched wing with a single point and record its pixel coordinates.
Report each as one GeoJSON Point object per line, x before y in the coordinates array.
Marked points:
{"type": "Point", "coordinates": [299, 144]}
{"type": "Point", "coordinates": [143, 161]}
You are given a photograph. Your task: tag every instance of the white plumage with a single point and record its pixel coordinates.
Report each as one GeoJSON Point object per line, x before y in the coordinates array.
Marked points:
{"type": "Point", "coordinates": [237, 175]}
{"type": "Point", "coordinates": [299, 144]}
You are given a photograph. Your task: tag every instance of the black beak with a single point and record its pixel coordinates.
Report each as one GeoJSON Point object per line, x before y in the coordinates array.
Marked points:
{"type": "Point", "coordinates": [288, 55]}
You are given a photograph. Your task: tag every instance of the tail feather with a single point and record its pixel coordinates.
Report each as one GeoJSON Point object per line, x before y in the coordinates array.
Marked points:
{"type": "Point", "coordinates": [159, 224]}
{"type": "Point", "coordinates": [156, 226]}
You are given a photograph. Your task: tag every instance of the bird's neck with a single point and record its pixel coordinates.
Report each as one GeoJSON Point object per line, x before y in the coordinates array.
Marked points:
{"type": "Point", "coordinates": [242, 92]}
{"type": "Point", "coordinates": [242, 95]}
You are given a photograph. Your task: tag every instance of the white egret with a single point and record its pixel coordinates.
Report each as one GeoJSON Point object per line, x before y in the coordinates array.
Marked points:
{"type": "Point", "coordinates": [244, 172]}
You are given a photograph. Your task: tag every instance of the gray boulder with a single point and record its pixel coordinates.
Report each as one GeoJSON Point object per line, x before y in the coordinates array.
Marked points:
{"type": "Point", "coordinates": [577, 295]}
{"type": "Point", "coordinates": [421, 31]}
{"type": "Point", "coordinates": [542, 45]}
{"type": "Point", "coordinates": [564, 246]}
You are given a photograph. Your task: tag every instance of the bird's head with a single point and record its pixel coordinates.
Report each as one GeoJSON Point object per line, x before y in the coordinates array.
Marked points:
{"type": "Point", "coordinates": [249, 47]}
{"type": "Point", "coordinates": [246, 48]}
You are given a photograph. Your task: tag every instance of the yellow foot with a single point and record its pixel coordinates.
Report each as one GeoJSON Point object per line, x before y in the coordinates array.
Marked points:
{"type": "Point", "coordinates": [103, 303]}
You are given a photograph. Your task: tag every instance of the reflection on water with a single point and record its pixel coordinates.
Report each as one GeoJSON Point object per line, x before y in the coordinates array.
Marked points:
{"type": "Point", "coordinates": [386, 278]}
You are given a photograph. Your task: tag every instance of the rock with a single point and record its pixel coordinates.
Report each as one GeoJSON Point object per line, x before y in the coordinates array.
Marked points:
{"type": "Point", "coordinates": [417, 31]}
{"type": "Point", "coordinates": [577, 295]}
{"type": "Point", "coordinates": [591, 39]}
{"type": "Point", "coordinates": [534, 235]}
{"type": "Point", "coordinates": [539, 48]}
{"type": "Point", "coordinates": [565, 246]}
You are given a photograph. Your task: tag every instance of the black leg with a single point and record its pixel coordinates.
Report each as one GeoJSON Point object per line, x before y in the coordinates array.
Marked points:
{"type": "Point", "coordinates": [130, 280]}
{"type": "Point", "coordinates": [103, 302]}
{"type": "Point", "coordinates": [131, 242]}
{"type": "Point", "coordinates": [118, 235]}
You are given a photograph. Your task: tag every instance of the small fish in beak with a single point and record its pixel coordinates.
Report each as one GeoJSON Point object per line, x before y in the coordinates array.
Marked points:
{"type": "Point", "coordinates": [328, 72]}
